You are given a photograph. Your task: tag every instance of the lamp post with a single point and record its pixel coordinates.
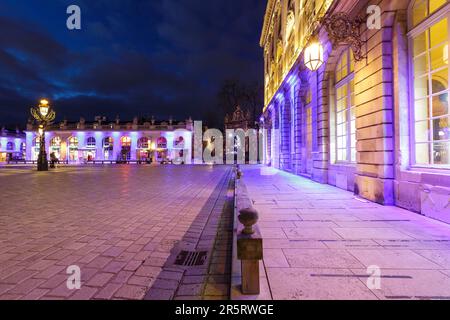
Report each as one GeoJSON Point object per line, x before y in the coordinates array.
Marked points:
{"type": "Point", "coordinates": [44, 115]}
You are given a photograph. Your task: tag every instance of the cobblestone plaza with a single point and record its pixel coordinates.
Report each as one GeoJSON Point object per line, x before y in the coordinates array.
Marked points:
{"type": "Point", "coordinates": [118, 224]}
{"type": "Point", "coordinates": [123, 226]}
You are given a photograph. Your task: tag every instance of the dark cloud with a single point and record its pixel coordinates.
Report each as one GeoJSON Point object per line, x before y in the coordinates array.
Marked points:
{"type": "Point", "coordinates": [140, 57]}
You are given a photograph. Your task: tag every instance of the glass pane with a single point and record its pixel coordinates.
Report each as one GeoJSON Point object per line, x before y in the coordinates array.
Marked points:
{"type": "Point", "coordinates": [342, 142]}
{"type": "Point", "coordinates": [440, 129]}
{"type": "Point", "coordinates": [344, 90]}
{"type": "Point", "coordinates": [421, 65]}
{"type": "Point", "coordinates": [341, 130]}
{"type": "Point", "coordinates": [421, 111]}
{"type": "Point", "coordinates": [341, 117]}
{"type": "Point", "coordinates": [352, 61]}
{"type": "Point", "coordinates": [422, 153]}
{"type": "Point", "coordinates": [341, 155]}
{"type": "Point", "coordinates": [437, 57]}
{"type": "Point", "coordinates": [419, 12]}
{"type": "Point", "coordinates": [436, 4]}
{"type": "Point", "coordinates": [353, 153]}
{"type": "Point", "coordinates": [352, 113]}
{"type": "Point", "coordinates": [440, 153]}
{"type": "Point", "coordinates": [353, 127]}
{"type": "Point", "coordinates": [422, 129]}
{"type": "Point", "coordinates": [440, 81]}
{"type": "Point", "coordinates": [339, 93]}
{"type": "Point", "coordinates": [439, 33]}
{"type": "Point", "coordinates": [440, 105]}
{"type": "Point", "coordinates": [353, 140]}
{"type": "Point", "coordinates": [420, 43]}
{"type": "Point", "coordinates": [420, 87]}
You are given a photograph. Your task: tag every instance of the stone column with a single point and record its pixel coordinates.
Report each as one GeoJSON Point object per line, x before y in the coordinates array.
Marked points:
{"type": "Point", "coordinates": [285, 130]}
{"type": "Point", "coordinates": [374, 117]}
{"type": "Point", "coordinates": [320, 128]}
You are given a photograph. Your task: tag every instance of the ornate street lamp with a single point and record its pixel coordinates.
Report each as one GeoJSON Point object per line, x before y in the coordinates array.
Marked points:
{"type": "Point", "coordinates": [44, 115]}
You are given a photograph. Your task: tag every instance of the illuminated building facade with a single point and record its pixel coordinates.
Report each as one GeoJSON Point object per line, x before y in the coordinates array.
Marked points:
{"type": "Point", "coordinates": [98, 141]}
{"type": "Point", "coordinates": [12, 145]}
{"type": "Point", "coordinates": [373, 118]}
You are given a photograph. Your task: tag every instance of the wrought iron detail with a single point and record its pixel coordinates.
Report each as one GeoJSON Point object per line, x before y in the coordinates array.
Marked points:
{"type": "Point", "coordinates": [342, 29]}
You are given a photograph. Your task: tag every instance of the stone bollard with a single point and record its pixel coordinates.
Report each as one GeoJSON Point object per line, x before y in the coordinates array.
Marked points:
{"type": "Point", "coordinates": [249, 251]}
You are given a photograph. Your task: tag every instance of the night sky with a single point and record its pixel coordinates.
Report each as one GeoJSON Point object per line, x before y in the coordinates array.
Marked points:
{"type": "Point", "coordinates": [131, 57]}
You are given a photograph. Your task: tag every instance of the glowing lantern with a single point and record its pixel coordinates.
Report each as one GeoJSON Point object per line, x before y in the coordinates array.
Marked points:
{"type": "Point", "coordinates": [314, 55]}
{"type": "Point", "coordinates": [43, 107]}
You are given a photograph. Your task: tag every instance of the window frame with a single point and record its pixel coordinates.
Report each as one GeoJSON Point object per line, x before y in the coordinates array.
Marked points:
{"type": "Point", "coordinates": [345, 81]}
{"type": "Point", "coordinates": [431, 20]}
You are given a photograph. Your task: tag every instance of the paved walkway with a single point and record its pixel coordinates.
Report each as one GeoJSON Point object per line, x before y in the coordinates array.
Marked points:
{"type": "Point", "coordinates": [320, 240]}
{"type": "Point", "coordinates": [119, 224]}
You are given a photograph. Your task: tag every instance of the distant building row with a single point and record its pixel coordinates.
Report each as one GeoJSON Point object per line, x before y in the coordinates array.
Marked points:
{"type": "Point", "coordinates": [81, 142]}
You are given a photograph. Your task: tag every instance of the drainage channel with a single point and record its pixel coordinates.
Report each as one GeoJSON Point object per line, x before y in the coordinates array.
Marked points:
{"type": "Point", "coordinates": [203, 264]}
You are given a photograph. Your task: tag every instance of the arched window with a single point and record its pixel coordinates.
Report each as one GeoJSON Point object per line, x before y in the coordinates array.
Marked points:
{"type": "Point", "coordinates": [91, 142]}
{"type": "Point", "coordinates": [143, 143]}
{"type": "Point", "coordinates": [55, 142]}
{"type": "Point", "coordinates": [429, 38]}
{"type": "Point", "coordinates": [108, 143]}
{"type": "Point", "coordinates": [125, 141]}
{"type": "Point", "coordinates": [108, 148]}
{"type": "Point", "coordinates": [73, 142]}
{"type": "Point", "coordinates": [37, 142]}
{"type": "Point", "coordinates": [179, 142]}
{"type": "Point", "coordinates": [162, 143]}
{"type": "Point", "coordinates": [345, 109]}
{"type": "Point", "coordinates": [10, 146]}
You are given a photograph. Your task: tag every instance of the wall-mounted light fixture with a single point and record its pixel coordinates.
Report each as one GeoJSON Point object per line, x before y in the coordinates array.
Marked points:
{"type": "Point", "coordinates": [313, 55]}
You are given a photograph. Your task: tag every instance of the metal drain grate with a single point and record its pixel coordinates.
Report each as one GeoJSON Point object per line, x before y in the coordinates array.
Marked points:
{"type": "Point", "coordinates": [191, 258]}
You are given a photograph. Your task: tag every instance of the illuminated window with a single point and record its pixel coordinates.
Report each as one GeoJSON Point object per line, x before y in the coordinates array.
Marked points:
{"type": "Point", "coordinates": [179, 142]}
{"type": "Point", "coordinates": [430, 113]}
{"type": "Point", "coordinates": [55, 142]}
{"type": "Point", "coordinates": [143, 143]}
{"type": "Point", "coordinates": [345, 109]}
{"type": "Point", "coordinates": [424, 8]}
{"type": "Point", "coordinates": [37, 142]}
{"type": "Point", "coordinates": [108, 142]}
{"type": "Point", "coordinates": [73, 142]}
{"type": "Point", "coordinates": [91, 142]}
{"type": "Point", "coordinates": [162, 143]}
{"type": "Point", "coordinates": [125, 141]}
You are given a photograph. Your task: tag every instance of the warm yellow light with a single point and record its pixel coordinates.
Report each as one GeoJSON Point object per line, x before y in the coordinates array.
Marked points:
{"type": "Point", "coordinates": [313, 56]}
{"type": "Point", "coordinates": [445, 54]}
{"type": "Point", "coordinates": [41, 130]}
{"type": "Point", "coordinates": [153, 146]}
{"type": "Point", "coordinates": [43, 107]}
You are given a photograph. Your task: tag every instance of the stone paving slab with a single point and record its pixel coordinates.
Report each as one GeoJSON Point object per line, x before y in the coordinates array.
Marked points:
{"type": "Point", "coordinates": [320, 240]}
{"type": "Point", "coordinates": [119, 224]}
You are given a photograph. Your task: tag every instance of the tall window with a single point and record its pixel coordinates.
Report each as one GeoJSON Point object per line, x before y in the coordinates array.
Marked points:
{"type": "Point", "coordinates": [430, 113]}
{"type": "Point", "coordinates": [345, 109]}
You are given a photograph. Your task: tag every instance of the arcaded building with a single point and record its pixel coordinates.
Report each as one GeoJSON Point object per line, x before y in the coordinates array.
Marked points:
{"type": "Point", "coordinates": [12, 145]}
{"type": "Point", "coordinates": [356, 96]}
{"type": "Point", "coordinates": [105, 141]}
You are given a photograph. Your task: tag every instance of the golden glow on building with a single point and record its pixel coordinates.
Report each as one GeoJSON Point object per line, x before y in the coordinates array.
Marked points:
{"type": "Point", "coordinates": [288, 25]}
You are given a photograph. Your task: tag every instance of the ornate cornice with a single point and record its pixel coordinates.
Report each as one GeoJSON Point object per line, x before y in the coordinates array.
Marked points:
{"type": "Point", "coordinates": [268, 17]}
